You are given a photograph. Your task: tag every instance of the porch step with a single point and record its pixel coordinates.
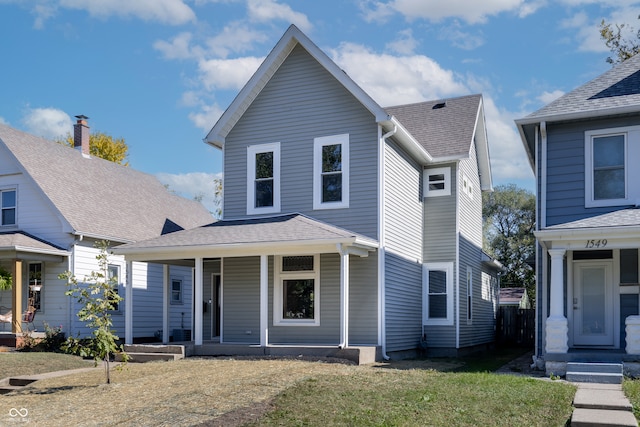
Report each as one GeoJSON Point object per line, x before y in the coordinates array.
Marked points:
{"type": "Point", "coordinates": [4, 389]}
{"type": "Point", "coordinates": [141, 353]}
{"type": "Point", "coordinates": [21, 381]}
{"type": "Point", "coordinates": [602, 373]}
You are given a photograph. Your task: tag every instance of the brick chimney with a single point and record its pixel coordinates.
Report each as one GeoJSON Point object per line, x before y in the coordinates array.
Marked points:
{"type": "Point", "coordinates": [81, 135]}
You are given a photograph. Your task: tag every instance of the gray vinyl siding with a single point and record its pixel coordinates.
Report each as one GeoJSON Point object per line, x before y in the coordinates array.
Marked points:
{"type": "Point", "coordinates": [402, 203]}
{"type": "Point", "coordinates": [470, 208]}
{"type": "Point", "coordinates": [403, 301]}
{"type": "Point", "coordinates": [302, 101]}
{"type": "Point", "coordinates": [566, 169]}
{"type": "Point", "coordinates": [440, 224]}
{"type": "Point", "coordinates": [241, 298]}
{"type": "Point", "coordinates": [363, 300]}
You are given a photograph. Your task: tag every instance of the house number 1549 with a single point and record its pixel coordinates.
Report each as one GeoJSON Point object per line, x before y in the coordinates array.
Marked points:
{"type": "Point", "coordinates": [596, 243]}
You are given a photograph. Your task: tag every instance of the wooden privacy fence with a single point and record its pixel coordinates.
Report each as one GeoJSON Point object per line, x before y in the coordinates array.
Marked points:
{"type": "Point", "coordinates": [516, 326]}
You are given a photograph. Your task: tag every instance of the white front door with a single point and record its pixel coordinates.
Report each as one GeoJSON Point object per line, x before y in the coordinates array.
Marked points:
{"type": "Point", "coordinates": [593, 303]}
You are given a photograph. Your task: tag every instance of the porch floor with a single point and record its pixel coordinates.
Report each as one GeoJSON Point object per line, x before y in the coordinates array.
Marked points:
{"type": "Point", "coordinates": [616, 355]}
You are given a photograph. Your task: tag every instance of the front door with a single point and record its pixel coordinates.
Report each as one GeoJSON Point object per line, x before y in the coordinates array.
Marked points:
{"type": "Point", "coordinates": [593, 303]}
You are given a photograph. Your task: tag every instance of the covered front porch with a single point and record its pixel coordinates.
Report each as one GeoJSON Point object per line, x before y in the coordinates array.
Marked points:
{"type": "Point", "coordinates": [590, 294]}
{"type": "Point", "coordinates": [285, 285]}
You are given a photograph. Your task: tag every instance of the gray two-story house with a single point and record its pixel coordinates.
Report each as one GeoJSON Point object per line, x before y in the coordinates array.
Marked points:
{"type": "Point", "coordinates": [582, 148]}
{"type": "Point", "coordinates": [345, 224]}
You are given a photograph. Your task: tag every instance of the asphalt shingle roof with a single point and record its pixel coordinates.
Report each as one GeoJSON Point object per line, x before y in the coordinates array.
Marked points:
{"type": "Point", "coordinates": [21, 241]}
{"type": "Point", "coordinates": [444, 132]}
{"type": "Point", "coordinates": [621, 218]}
{"type": "Point", "coordinates": [97, 197]}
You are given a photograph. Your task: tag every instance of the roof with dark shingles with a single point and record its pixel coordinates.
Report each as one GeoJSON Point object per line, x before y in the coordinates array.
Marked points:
{"type": "Point", "coordinates": [444, 132]}
{"type": "Point", "coordinates": [98, 197]}
{"type": "Point", "coordinates": [621, 218]}
{"type": "Point", "coordinates": [616, 88]}
{"type": "Point", "coordinates": [290, 228]}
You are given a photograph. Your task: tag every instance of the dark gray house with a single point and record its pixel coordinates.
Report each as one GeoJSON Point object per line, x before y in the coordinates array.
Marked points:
{"type": "Point", "coordinates": [582, 148]}
{"type": "Point", "coordinates": [345, 224]}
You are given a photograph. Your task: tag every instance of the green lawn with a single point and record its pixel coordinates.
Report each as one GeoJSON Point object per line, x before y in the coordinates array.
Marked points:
{"type": "Point", "coordinates": [632, 391]}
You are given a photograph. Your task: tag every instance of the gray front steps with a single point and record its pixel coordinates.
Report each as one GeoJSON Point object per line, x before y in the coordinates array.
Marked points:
{"type": "Point", "coordinates": [601, 373]}
{"type": "Point", "coordinates": [140, 353]}
{"type": "Point", "coordinates": [602, 405]}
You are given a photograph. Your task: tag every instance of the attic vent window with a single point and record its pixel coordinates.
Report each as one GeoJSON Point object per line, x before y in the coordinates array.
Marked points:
{"type": "Point", "coordinates": [439, 105]}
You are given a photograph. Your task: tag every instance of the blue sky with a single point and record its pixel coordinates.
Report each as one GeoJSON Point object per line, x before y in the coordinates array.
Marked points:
{"type": "Point", "coordinates": [159, 73]}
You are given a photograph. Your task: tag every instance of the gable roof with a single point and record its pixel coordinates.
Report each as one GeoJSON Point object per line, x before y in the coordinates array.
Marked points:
{"type": "Point", "coordinates": [98, 198]}
{"type": "Point", "coordinates": [249, 237]}
{"type": "Point", "coordinates": [21, 242]}
{"type": "Point", "coordinates": [614, 92]}
{"type": "Point", "coordinates": [391, 119]}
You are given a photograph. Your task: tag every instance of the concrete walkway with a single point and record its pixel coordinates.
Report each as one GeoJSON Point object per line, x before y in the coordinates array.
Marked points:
{"type": "Point", "coordinates": [601, 405]}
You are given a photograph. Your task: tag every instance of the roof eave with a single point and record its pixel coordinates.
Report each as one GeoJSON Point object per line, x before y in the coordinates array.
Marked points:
{"type": "Point", "coordinates": [568, 234]}
{"type": "Point", "coordinates": [407, 140]}
{"type": "Point", "coordinates": [588, 114]}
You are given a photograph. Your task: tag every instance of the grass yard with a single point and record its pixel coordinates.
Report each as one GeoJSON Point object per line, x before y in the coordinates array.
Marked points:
{"type": "Point", "coordinates": [234, 392]}
{"type": "Point", "coordinates": [25, 363]}
{"type": "Point", "coordinates": [631, 389]}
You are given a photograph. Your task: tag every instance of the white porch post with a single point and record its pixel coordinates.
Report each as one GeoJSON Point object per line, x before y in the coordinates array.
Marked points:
{"type": "Point", "coordinates": [264, 301]}
{"type": "Point", "coordinates": [344, 297]}
{"type": "Point", "coordinates": [165, 304]}
{"type": "Point", "coordinates": [197, 322]}
{"type": "Point", "coordinates": [557, 327]}
{"type": "Point", "coordinates": [128, 306]}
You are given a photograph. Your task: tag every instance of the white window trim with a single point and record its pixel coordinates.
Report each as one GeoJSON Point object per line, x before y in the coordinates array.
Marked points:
{"type": "Point", "coordinates": [280, 275]}
{"type": "Point", "coordinates": [447, 267]}
{"type": "Point", "coordinates": [41, 310]}
{"type": "Point", "coordinates": [446, 191]}
{"type": "Point", "coordinates": [181, 301]}
{"type": "Point", "coordinates": [631, 149]}
{"type": "Point", "coordinates": [467, 186]}
{"type": "Point", "coordinates": [15, 224]}
{"type": "Point", "coordinates": [318, 143]}
{"type": "Point", "coordinates": [469, 283]}
{"type": "Point", "coordinates": [252, 150]}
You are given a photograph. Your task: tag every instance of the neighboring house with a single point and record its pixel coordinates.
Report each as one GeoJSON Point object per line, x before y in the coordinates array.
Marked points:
{"type": "Point", "coordinates": [56, 202]}
{"type": "Point", "coordinates": [345, 223]}
{"type": "Point", "coordinates": [514, 297]}
{"type": "Point", "coordinates": [583, 147]}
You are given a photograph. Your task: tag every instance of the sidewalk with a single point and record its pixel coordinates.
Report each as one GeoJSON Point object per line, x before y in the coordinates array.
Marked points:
{"type": "Point", "coordinates": [601, 405]}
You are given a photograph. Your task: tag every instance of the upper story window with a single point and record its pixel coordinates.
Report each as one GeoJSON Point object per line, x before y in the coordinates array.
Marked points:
{"type": "Point", "coordinates": [608, 177]}
{"type": "Point", "coordinates": [263, 178]}
{"type": "Point", "coordinates": [437, 182]}
{"type": "Point", "coordinates": [8, 204]}
{"type": "Point", "coordinates": [331, 172]}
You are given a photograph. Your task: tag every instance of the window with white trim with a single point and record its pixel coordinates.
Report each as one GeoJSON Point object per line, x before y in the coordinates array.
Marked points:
{"type": "Point", "coordinates": [176, 291]}
{"type": "Point", "coordinates": [469, 295]}
{"type": "Point", "coordinates": [113, 272]}
{"type": "Point", "coordinates": [437, 182]}
{"type": "Point", "coordinates": [8, 204]}
{"type": "Point", "coordinates": [296, 299]}
{"type": "Point", "coordinates": [609, 181]}
{"type": "Point", "coordinates": [36, 286]}
{"type": "Point", "coordinates": [331, 172]}
{"type": "Point", "coordinates": [263, 178]}
{"type": "Point", "coordinates": [467, 186]}
{"type": "Point", "coordinates": [437, 283]}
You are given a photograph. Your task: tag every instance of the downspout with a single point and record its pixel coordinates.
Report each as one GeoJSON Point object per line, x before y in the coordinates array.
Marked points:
{"type": "Point", "coordinates": [382, 307]}
{"type": "Point", "coordinates": [456, 289]}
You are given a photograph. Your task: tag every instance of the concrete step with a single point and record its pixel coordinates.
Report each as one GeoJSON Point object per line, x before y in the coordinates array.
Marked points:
{"type": "Point", "coordinates": [599, 396]}
{"type": "Point", "coordinates": [605, 373]}
{"type": "Point", "coordinates": [583, 417]}
{"type": "Point", "coordinates": [21, 381]}
{"type": "Point", "coordinates": [149, 357]}
{"type": "Point", "coordinates": [594, 377]}
{"type": "Point", "coordinates": [9, 388]}
{"type": "Point", "coordinates": [153, 348]}
{"type": "Point", "coordinates": [612, 368]}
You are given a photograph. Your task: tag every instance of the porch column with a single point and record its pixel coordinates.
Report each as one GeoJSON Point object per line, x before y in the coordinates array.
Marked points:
{"type": "Point", "coordinates": [344, 297]}
{"type": "Point", "coordinates": [16, 312]}
{"type": "Point", "coordinates": [165, 304]}
{"type": "Point", "coordinates": [128, 306]}
{"type": "Point", "coordinates": [197, 322]}
{"type": "Point", "coordinates": [264, 300]}
{"type": "Point", "coordinates": [557, 328]}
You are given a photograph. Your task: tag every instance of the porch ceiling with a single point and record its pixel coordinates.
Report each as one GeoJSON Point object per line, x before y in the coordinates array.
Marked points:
{"type": "Point", "coordinates": [282, 234]}
{"type": "Point", "coordinates": [22, 245]}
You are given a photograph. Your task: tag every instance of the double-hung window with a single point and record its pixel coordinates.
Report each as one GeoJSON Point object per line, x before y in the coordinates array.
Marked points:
{"type": "Point", "coordinates": [437, 297]}
{"type": "Point", "coordinates": [263, 178]}
{"type": "Point", "coordinates": [113, 279]}
{"type": "Point", "coordinates": [297, 291]}
{"type": "Point", "coordinates": [609, 181]}
{"type": "Point", "coordinates": [8, 204]}
{"type": "Point", "coordinates": [331, 172]}
{"type": "Point", "coordinates": [176, 291]}
{"type": "Point", "coordinates": [36, 286]}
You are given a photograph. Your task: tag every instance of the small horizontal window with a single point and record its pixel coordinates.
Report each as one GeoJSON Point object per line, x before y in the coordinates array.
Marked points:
{"type": "Point", "coordinates": [437, 182]}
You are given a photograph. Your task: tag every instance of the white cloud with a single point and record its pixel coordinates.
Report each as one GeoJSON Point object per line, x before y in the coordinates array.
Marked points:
{"type": "Point", "coordinates": [270, 10]}
{"type": "Point", "coordinates": [178, 48]}
{"type": "Point", "coordinates": [172, 12]}
{"type": "Point", "coordinates": [546, 97]}
{"type": "Point", "coordinates": [460, 39]}
{"type": "Point", "coordinates": [236, 37]}
{"type": "Point", "coordinates": [227, 73]}
{"type": "Point", "coordinates": [471, 11]}
{"type": "Point", "coordinates": [394, 80]}
{"type": "Point", "coordinates": [192, 185]}
{"type": "Point", "coordinates": [404, 44]}
{"type": "Point", "coordinates": [206, 117]}
{"type": "Point", "coordinates": [49, 123]}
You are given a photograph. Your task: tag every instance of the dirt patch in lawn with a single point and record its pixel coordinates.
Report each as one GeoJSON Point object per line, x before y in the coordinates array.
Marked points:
{"type": "Point", "coordinates": [194, 391]}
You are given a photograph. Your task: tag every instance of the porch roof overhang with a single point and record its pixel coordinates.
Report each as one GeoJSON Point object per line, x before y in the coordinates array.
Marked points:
{"type": "Point", "coordinates": [21, 245]}
{"type": "Point", "coordinates": [276, 235]}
